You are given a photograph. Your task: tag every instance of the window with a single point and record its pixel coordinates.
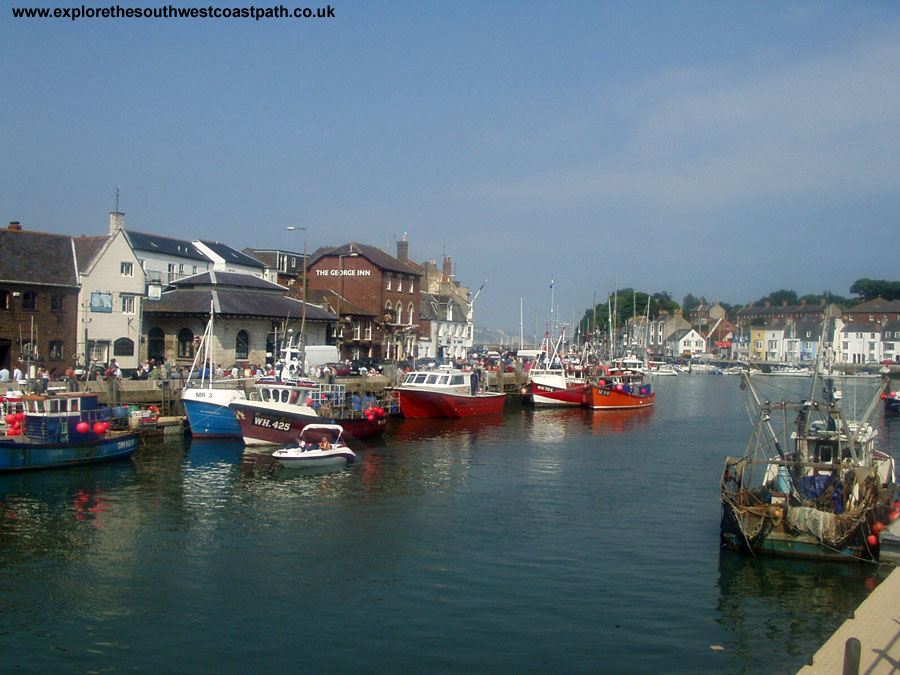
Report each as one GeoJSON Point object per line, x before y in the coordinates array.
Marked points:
{"type": "Point", "coordinates": [56, 350]}
{"type": "Point", "coordinates": [399, 313]}
{"type": "Point", "coordinates": [29, 300]}
{"type": "Point", "coordinates": [171, 271]}
{"type": "Point", "coordinates": [411, 312]}
{"type": "Point", "coordinates": [399, 283]}
{"type": "Point", "coordinates": [388, 280]}
{"type": "Point", "coordinates": [185, 343]}
{"type": "Point", "coordinates": [4, 299]}
{"type": "Point", "coordinates": [388, 311]}
{"type": "Point", "coordinates": [888, 346]}
{"type": "Point", "coordinates": [127, 304]}
{"type": "Point", "coordinates": [356, 329]}
{"type": "Point", "coordinates": [242, 345]}
{"type": "Point", "coordinates": [123, 347]}
{"type": "Point", "coordinates": [57, 303]}
{"type": "Point", "coordinates": [126, 269]}
{"type": "Point", "coordinates": [368, 333]}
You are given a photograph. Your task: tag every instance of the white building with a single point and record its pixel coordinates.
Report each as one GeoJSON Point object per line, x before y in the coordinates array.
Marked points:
{"type": "Point", "coordinates": [860, 343]}
{"type": "Point", "coordinates": [110, 300]}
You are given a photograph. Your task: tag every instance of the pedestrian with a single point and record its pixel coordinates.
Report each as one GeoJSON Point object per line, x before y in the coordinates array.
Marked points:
{"type": "Point", "coordinates": [17, 375]}
{"type": "Point", "coordinates": [4, 374]}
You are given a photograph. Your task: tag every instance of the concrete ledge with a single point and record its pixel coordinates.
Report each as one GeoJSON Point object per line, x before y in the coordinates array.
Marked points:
{"type": "Point", "coordinates": [876, 624]}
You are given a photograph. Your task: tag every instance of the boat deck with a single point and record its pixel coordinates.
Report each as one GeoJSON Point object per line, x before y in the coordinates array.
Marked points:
{"type": "Point", "coordinates": [876, 624]}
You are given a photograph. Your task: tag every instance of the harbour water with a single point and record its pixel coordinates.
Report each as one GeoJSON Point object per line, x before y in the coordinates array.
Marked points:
{"type": "Point", "coordinates": [542, 541]}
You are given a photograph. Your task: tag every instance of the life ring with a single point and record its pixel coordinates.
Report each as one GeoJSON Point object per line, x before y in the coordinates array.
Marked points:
{"type": "Point", "coordinates": [153, 409]}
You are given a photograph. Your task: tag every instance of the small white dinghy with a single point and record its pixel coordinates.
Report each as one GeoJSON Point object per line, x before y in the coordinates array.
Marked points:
{"type": "Point", "coordinates": [318, 445]}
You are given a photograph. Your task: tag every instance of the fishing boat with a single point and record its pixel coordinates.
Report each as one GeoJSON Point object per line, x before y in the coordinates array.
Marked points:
{"type": "Point", "coordinates": [206, 402]}
{"type": "Point", "coordinates": [278, 410]}
{"type": "Point", "coordinates": [446, 392]}
{"type": "Point", "coordinates": [553, 383]}
{"type": "Point", "coordinates": [319, 445]}
{"type": "Point", "coordinates": [892, 402]}
{"type": "Point", "coordinates": [620, 388]}
{"type": "Point", "coordinates": [818, 488]}
{"type": "Point", "coordinates": [60, 430]}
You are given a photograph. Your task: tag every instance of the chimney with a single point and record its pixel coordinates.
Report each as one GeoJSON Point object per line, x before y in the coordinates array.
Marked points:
{"type": "Point", "coordinates": [403, 249]}
{"type": "Point", "coordinates": [116, 221]}
{"type": "Point", "coordinates": [15, 225]}
{"type": "Point", "coordinates": [448, 270]}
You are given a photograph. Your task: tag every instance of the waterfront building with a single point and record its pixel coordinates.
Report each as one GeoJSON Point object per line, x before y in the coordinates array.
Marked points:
{"type": "Point", "coordinates": [707, 315]}
{"type": "Point", "coordinates": [358, 323]}
{"type": "Point", "coordinates": [252, 319]}
{"type": "Point", "coordinates": [282, 267]}
{"type": "Point", "coordinates": [890, 341]}
{"type": "Point", "coordinates": [688, 343]}
{"type": "Point", "coordinates": [801, 341]}
{"type": "Point", "coordinates": [660, 332]}
{"type": "Point", "coordinates": [110, 304]}
{"type": "Point", "coordinates": [876, 311]}
{"type": "Point", "coordinates": [860, 343]}
{"type": "Point", "coordinates": [768, 314]}
{"type": "Point", "coordinates": [378, 282]}
{"type": "Point", "coordinates": [38, 300]}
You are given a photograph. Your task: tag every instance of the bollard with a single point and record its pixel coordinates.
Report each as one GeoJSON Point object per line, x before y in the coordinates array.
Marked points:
{"type": "Point", "coordinates": [852, 651]}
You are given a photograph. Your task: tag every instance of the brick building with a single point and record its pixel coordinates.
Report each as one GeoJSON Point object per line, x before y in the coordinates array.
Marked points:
{"type": "Point", "coordinates": [370, 279]}
{"type": "Point", "coordinates": [38, 299]}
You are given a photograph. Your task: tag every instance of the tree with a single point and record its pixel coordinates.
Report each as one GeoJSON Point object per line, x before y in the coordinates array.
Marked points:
{"type": "Point", "coordinates": [690, 302]}
{"type": "Point", "coordinates": [869, 289]}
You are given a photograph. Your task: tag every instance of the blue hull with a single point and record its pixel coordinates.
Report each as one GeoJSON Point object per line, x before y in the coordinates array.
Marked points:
{"type": "Point", "coordinates": [209, 420]}
{"type": "Point", "coordinates": [18, 455]}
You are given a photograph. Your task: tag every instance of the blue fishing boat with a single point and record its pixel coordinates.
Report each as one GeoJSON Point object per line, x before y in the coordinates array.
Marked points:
{"type": "Point", "coordinates": [62, 430]}
{"type": "Point", "coordinates": [205, 401]}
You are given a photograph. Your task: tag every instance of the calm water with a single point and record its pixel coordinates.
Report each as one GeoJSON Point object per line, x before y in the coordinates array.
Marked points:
{"type": "Point", "coordinates": [545, 541]}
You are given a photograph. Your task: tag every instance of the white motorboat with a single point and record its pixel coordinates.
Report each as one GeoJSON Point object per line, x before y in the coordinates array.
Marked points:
{"type": "Point", "coordinates": [318, 445]}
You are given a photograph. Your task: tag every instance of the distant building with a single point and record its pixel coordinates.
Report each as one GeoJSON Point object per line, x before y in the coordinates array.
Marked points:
{"type": "Point", "coordinates": [877, 311]}
{"type": "Point", "coordinates": [768, 314]}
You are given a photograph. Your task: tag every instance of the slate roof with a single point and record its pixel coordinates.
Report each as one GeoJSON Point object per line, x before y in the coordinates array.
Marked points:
{"type": "Point", "coordinates": [86, 249]}
{"type": "Point", "coordinates": [865, 327]}
{"type": "Point", "coordinates": [330, 298]}
{"type": "Point", "coordinates": [37, 259]}
{"type": "Point", "coordinates": [892, 325]}
{"type": "Point", "coordinates": [433, 307]}
{"type": "Point", "coordinates": [776, 310]}
{"type": "Point", "coordinates": [234, 302]}
{"type": "Point", "coordinates": [231, 255]}
{"type": "Point", "coordinates": [232, 279]}
{"type": "Point", "coordinates": [375, 255]}
{"type": "Point", "coordinates": [876, 306]}
{"type": "Point", "coordinates": [141, 241]}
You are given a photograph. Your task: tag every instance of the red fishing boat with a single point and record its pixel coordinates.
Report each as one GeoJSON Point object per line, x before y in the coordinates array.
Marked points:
{"type": "Point", "coordinates": [280, 409]}
{"type": "Point", "coordinates": [446, 392]}
{"type": "Point", "coordinates": [619, 389]}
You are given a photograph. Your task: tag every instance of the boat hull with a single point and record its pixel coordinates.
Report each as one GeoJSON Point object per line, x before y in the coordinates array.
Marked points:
{"type": "Point", "coordinates": [549, 395]}
{"type": "Point", "coordinates": [22, 455]}
{"type": "Point", "coordinates": [294, 459]}
{"type": "Point", "coordinates": [612, 397]}
{"type": "Point", "coordinates": [416, 403]}
{"type": "Point", "coordinates": [208, 413]}
{"type": "Point", "coordinates": [262, 425]}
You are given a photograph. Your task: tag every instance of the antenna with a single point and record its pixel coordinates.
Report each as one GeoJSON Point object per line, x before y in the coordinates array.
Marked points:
{"type": "Point", "coordinates": [117, 198]}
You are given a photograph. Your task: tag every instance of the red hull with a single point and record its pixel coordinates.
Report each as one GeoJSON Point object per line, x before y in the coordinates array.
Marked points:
{"type": "Point", "coordinates": [545, 394]}
{"type": "Point", "coordinates": [419, 403]}
{"type": "Point", "coordinates": [611, 398]}
{"type": "Point", "coordinates": [276, 427]}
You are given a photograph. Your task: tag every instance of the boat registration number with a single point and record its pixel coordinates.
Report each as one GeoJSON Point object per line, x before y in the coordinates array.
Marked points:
{"type": "Point", "coordinates": [603, 392]}
{"type": "Point", "coordinates": [269, 423]}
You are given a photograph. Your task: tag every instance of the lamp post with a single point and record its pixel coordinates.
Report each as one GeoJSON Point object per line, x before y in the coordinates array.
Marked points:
{"type": "Point", "coordinates": [303, 311]}
{"type": "Point", "coordinates": [340, 297]}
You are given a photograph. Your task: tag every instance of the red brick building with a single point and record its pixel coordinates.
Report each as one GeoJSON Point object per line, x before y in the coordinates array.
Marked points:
{"type": "Point", "coordinates": [38, 300]}
{"type": "Point", "coordinates": [371, 280]}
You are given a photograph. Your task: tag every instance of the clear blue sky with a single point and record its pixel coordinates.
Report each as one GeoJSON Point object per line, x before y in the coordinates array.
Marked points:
{"type": "Point", "coordinates": [726, 149]}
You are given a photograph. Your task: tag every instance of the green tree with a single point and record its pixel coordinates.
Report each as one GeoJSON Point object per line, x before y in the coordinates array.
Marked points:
{"type": "Point", "coordinates": [869, 289]}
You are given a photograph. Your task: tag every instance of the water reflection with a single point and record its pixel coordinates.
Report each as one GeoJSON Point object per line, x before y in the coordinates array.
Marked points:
{"type": "Point", "coordinates": [792, 603]}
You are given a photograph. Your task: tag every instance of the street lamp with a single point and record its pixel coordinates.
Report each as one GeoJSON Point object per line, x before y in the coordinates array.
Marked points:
{"type": "Point", "coordinates": [340, 297]}
{"type": "Point", "coordinates": [303, 312]}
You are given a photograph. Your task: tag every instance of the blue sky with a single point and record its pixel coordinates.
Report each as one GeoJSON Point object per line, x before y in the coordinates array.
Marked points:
{"type": "Point", "coordinates": [726, 149]}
